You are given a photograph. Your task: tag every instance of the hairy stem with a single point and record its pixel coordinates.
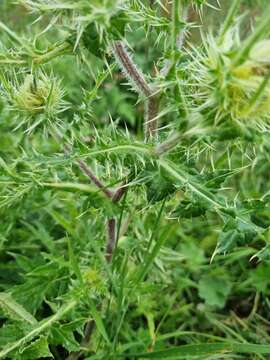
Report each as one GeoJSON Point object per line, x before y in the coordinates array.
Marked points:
{"type": "Point", "coordinates": [141, 85]}
{"type": "Point", "coordinates": [87, 171]}
{"type": "Point", "coordinates": [119, 193]}
{"type": "Point", "coordinates": [111, 228]}
{"type": "Point", "coordinates": [152, 107]}
{"type": "Point", "coordinates": [130, 69]}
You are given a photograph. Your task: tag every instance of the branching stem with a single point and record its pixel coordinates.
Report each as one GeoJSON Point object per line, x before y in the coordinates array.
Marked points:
{"type": "Point", "coordinates": [37, 59]}
{"type": "Point", "coordinates": [87, 171]}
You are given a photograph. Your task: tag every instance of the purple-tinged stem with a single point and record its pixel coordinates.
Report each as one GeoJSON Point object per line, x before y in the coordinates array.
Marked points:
{"type": "Point", "coordinates": [87, 171]}
{"type": "Point", "coordinates": [130, 69]}
{"type": "Point", "coordinates": [111, 228]}
{"type": "Point", "coordinates": [141, 85]}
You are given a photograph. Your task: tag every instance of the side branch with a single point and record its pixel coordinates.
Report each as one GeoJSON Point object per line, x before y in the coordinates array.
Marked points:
{"type": "Point", "coordinates": [87, 171]}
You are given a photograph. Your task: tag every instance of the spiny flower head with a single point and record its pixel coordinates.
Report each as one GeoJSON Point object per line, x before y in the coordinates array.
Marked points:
{"type": "Point", "coordinates": [35, 95]}
{"type": "Point", "coordinates": [227, 88]}
{"type": "Point", "coordinates": [94, 280]}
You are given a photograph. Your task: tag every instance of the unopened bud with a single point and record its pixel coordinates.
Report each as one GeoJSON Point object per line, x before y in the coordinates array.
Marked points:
{"type": "Point", "coordinates": [38, 95]}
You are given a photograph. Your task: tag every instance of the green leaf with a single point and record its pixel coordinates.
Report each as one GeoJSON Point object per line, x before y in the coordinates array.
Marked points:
{"type": "Point", "coordinates": [99, 321]}
{"type": "Point", "coordinates": [44, 280]}
{"type": "Point", "coordinates": [159, 189]}
{"type": "Point", "coordinates": [91, 40]}
{"type": "Point", "coordinates": [61, 220]}
{"type": "Point", "coordinates": [165, 234]}
{"type": "Point", "coordinates": [263, 254]}
{"type": "Point", "coordinates": [189, 209]}
{"type": "Point", "coordinates": [193, 254]}
{"type": "Point", "coordinates": [74, 265]}
{"type": "Point", "coordinates": [117, 25]}
{"type": "Point", "coordinates": [158, 184]}
{"type": "Point", "coordinates": [260, 277]}
{"type": "Point", "coordinates": [35, 350]}
{"type": "Point", "coordinates": [235, 233]}
{"type": "Point", "coordinates": [214, 180]}
{"type": "Point", "coordinates": [214, 290]}
{"type": "Point", "coordinates": [259, 211]}
{"type": "Point", "coordinates": [59, 335]}
{"type": "Point", "coordinates": [12, 331]}
{"type": "Point", "coordinates": [38, 329]}
{"type": "Point", "coordinates": [14, 310]}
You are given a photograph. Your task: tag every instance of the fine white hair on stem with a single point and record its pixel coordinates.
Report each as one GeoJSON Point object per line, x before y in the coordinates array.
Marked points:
{"type": "Point", "coordinates": [137, 79]}
{"type": "Point", "coordinates": [129, 69]}
{"type": "Point", "coordinates": [151, 115]}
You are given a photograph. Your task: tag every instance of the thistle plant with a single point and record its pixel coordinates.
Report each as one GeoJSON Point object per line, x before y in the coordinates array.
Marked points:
{"type": "Point", "coordinates": [134, 182]}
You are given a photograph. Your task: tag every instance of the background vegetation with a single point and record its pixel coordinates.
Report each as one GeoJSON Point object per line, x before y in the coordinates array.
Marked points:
{"type": "Point", "coordinates": [134, 200]}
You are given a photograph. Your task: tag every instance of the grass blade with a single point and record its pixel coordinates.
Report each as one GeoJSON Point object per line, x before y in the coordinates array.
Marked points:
{"type": "Point", "coordinates": [205, 349]}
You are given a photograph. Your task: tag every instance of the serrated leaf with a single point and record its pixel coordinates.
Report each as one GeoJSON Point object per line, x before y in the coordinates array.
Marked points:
{"type": "Point", "coordinates": [38, 329]}
{"type": "Point", "coordinates": [35, 350]}
{"type": "Point", "coordinates": [159, 189]}
{"type": "Point", "coordinates": [12, 331]}
{"type": "Point", "coordinates": [14, 310]}
{"type": "Point", "coordinates": [235, 233]}
{"type": "Point", "coordinates": [254, 204]}
{"type": "Point", "coordinates": [41, 281]}
{"type": "Point", "coordinates": [261, 219]}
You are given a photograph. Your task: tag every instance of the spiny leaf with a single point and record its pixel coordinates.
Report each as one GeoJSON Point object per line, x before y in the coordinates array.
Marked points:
{"type": "Point", "coordinates": [235, 233]}
{"type": "Point", "coordinates": [38, 329]}
{"type": "Point", "coordinates": [35, 350]}
{"type": "Point", "coordinates": [14, 310]}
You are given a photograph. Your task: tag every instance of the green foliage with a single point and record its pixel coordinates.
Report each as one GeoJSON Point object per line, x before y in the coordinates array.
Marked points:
{"type": "Point", "coordinates": [134, 179]}
{"type": "Point", "coordinates": [214, 290]}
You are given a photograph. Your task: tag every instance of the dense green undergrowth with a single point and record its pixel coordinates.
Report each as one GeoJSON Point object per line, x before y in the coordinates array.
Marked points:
{"type": "Point", "coordinates": [134, 179]}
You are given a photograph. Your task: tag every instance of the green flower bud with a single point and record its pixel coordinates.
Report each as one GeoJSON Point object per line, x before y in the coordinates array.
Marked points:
{"type": "Point", "coordinates": [38, 95]}
{"type": "Point", "coordinates": [239, 92]}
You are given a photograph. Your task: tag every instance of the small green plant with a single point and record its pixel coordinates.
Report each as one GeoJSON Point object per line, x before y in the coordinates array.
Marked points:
{"type": "Point", "coordinates": [134, 179]}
